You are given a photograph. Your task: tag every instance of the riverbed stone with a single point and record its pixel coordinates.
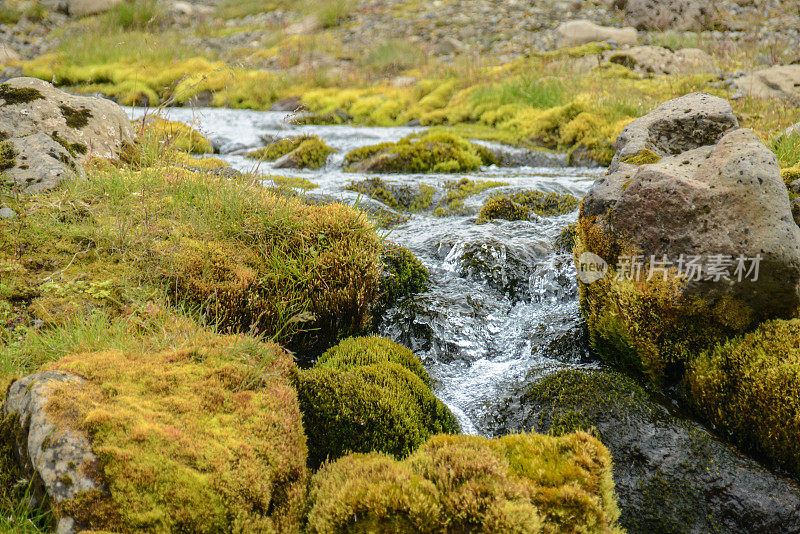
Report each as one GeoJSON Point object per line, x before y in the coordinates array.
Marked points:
{"type": "Point", "coordinates": [579, 32]}
{"type": "Point", "coordinates": [670, 474]}
{"type": "Point", "coordinates": [687, 183]}
{"type": "Point", "coordinates": [782, 81]}
{"type": "Point", "coordinates": [59, 458]}
{"type": "Point", "coordinates": [85, 126]}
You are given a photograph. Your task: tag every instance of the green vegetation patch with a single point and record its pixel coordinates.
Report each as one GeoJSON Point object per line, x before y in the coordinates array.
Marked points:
{"type": "Point", "coordinates": [307, 151]}
{"type": "Point", "coordinates": [518, 483]}
{"type": "Point", "coordinates": [403, 275]}
{"type": "Point", "coordinates": [749, 389]}
{"type": "Point", "coordinates": [363, 397]}
{"type": "Point", "coordinates": [18, 95]}
{"type": "Point", "coordinates": [518, 206]}
{"type": "Point", "coordinates": [74, 149]}
{"type": "Point", "coordinates": [644, 157]}
{"type": "Point", "coordinates": [459, 190]}
{"type": "Point", "coordinates": [76, 118]}
{"type": "Point", "coordinates": [208, 439]}
{"type": "Point", "coordinates": [432, 152]}
{"type": "Point", "coordinates": [8, 155]}
{"type": "Point", "coordinates": [181, 136]}
{"type": "Point", "coordinates": [397, 196]}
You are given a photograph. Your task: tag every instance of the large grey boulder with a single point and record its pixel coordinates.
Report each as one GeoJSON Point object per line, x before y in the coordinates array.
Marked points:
{"type": "Point", "coordinates": [49, 134]}
{"type": "Point", "coordinates": [775, 82]}
{"type": "Point", "coordinates": [58, 458]}
{"type": "Point", "coordinates": [40, 164]}
{"type": "Point", "coordinates": [670, 474]}
{"type": "Point", "coordinates": [579, 32]}
{"type": "Point", "coordinates": [724, 199]}
{"type": "Point", "coordinates": [678, 125]}
{"type": "Point", "coordinates": [684, 15]}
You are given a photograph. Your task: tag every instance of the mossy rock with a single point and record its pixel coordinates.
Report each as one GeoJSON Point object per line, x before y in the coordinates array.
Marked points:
{"type": "Point", "coordinates": [207, 438]}
{"type": "Point", "coordinates": [457, 191]}
{"type": "Point", "coordinates": [670, 474]}
{"type": "Point", "coordinates": [565, 241]}
{"type": "Point", "coordinates": [520, 483]}
{"type": "Point", "coordinates": [400, 196]}
{"type": "Point", "coordinates": [749, 389]}
{"type": "Point", "coordinates": [363, 397]}
{"type": "Point", "coordinates": [790, 175]}
{"type": "Point", "coordinates": [309, 151]}
{"type": "Point", "coordinates": [432, 152]}
{"type": "Point", "coordinates": [518, 206]}
{"type": "Point", "coordinates": [14, 96]}
{"type": "Point", "coordinates": [403, 275]}
{"type": "Point", "coordinates": [7, 155]}
{"type": "Point", "coordinates": [358, 351]}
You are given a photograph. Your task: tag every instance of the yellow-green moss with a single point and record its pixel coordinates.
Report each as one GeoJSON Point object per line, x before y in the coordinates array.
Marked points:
{"type": "Point", "coordinates": [357, 351]}
{"type": "Point", "coordinates": [790, 175]}
{"type": "Point", "coordinates": [519, 483]}
{"type": "Point", "coordinates": [565, 241]}
{"type": "Point", "coordinates": [312, 152]}
{"type": "Point", "coordinates": [517, 206]}
{"type": "Point", "coordinates": [649, 327]}
{"type": "Point", "coordinates": [433, 152]}
{"type": "Point", "coordinates": [644, 157]}
{"type": "Point", "coordinates": [749, 389]}
{"type": "Point", "coordinates": [206, 439]}
{"type": "Point", "coordinates": [7, 155]}
{"type": "Point", "coordinates": [403, 275]}
{"type": "Point", "coordinates": [182, 136]}
{"type": "Point", "coordinates": [458, 191]}
{"type": "Point", "coordinates": [360, 406]}
{"type": "Point", "coordinates": [399, 197]}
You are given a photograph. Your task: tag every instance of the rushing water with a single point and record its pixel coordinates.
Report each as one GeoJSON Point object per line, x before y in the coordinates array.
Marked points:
{"type": "Point", "coordinates": [502, 302]}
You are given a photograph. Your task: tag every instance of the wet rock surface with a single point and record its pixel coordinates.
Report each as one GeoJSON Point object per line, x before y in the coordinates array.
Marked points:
{"type": "Point", "coordinates": [671, 475]}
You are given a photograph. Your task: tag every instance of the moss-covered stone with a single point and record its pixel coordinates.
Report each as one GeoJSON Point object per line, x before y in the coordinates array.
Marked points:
{"type": "Point", "coordinates": [565, 241]}
{"type": "Point", "coordinates": [456, 191]}
{"type": "Point", "coordinates": [204, 439]}
{"type": "Point", "coordinates": [363, 397]}
{"type": "Point", "coordinates": [403, 275]}
{"type": "Point", "coordinates": [749, 389]}
{"type": "Point", "coordinates": [358, 351]}
{"type": "Point", "coordinates": [518, 206]}
{"type": "Point", "coordinates": [311, 152]}
{"type": "Point", "coordinates": [790, 175]}
{"type": "Point", "coordinates": [14, 96]}
{"type": "Point", "coordinates": [74, 149]}
{"type": "Point", "coordinates": [410, 197]}
{"type": "Point", "coordinates": [432, 152]}
{"type": "Point", "coordinates": [76, 118]}
{"type": "Point", "coordinates": [644, 157]}
{"type": "Point", "coordinates": [519, 483]}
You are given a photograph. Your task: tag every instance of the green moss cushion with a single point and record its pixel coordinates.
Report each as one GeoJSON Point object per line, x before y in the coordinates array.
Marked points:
{"type": "Point", "coordinates": [203, 439]}
{"type": "Point", "coordinates": [523, 483]}
{"type": "Point", "coordinates": [367, 395]}
{"type": "Point", "coordinates": [749, 388]}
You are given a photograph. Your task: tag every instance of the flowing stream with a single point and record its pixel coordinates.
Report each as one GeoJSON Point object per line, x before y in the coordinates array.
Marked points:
{"type": "Point", "coordinates": [502, 303]}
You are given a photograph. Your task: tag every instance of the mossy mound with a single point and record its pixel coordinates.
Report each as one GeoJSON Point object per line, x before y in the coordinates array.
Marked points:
{"type": "Point", "coordinates": [371, 350]}
{"type": "Point", "coordinates": [790, 175]}
{"type": "Point", "coordinates": [8, 156]}
{"type": "Point", "coordinates": [182, 136]}
{"type": "Point", "coordinates": [403, 275]}
{"type": "Point", "coordinates": [367, 395]}
{"type": "Point", "coordinates": [519, 206]}
{"type": "Point", "coordinates": [565, 241]}
{"type": "Point", "coordinates": [432, 152]}
{"type": "Point", "coordinates": [518, 483]}
{"type": "Point", "coordinates": [307, 151]}
{"type": "Point", "coordinates": [749, 389]}
{"type": "Point", "coordinates": [203, 439]}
